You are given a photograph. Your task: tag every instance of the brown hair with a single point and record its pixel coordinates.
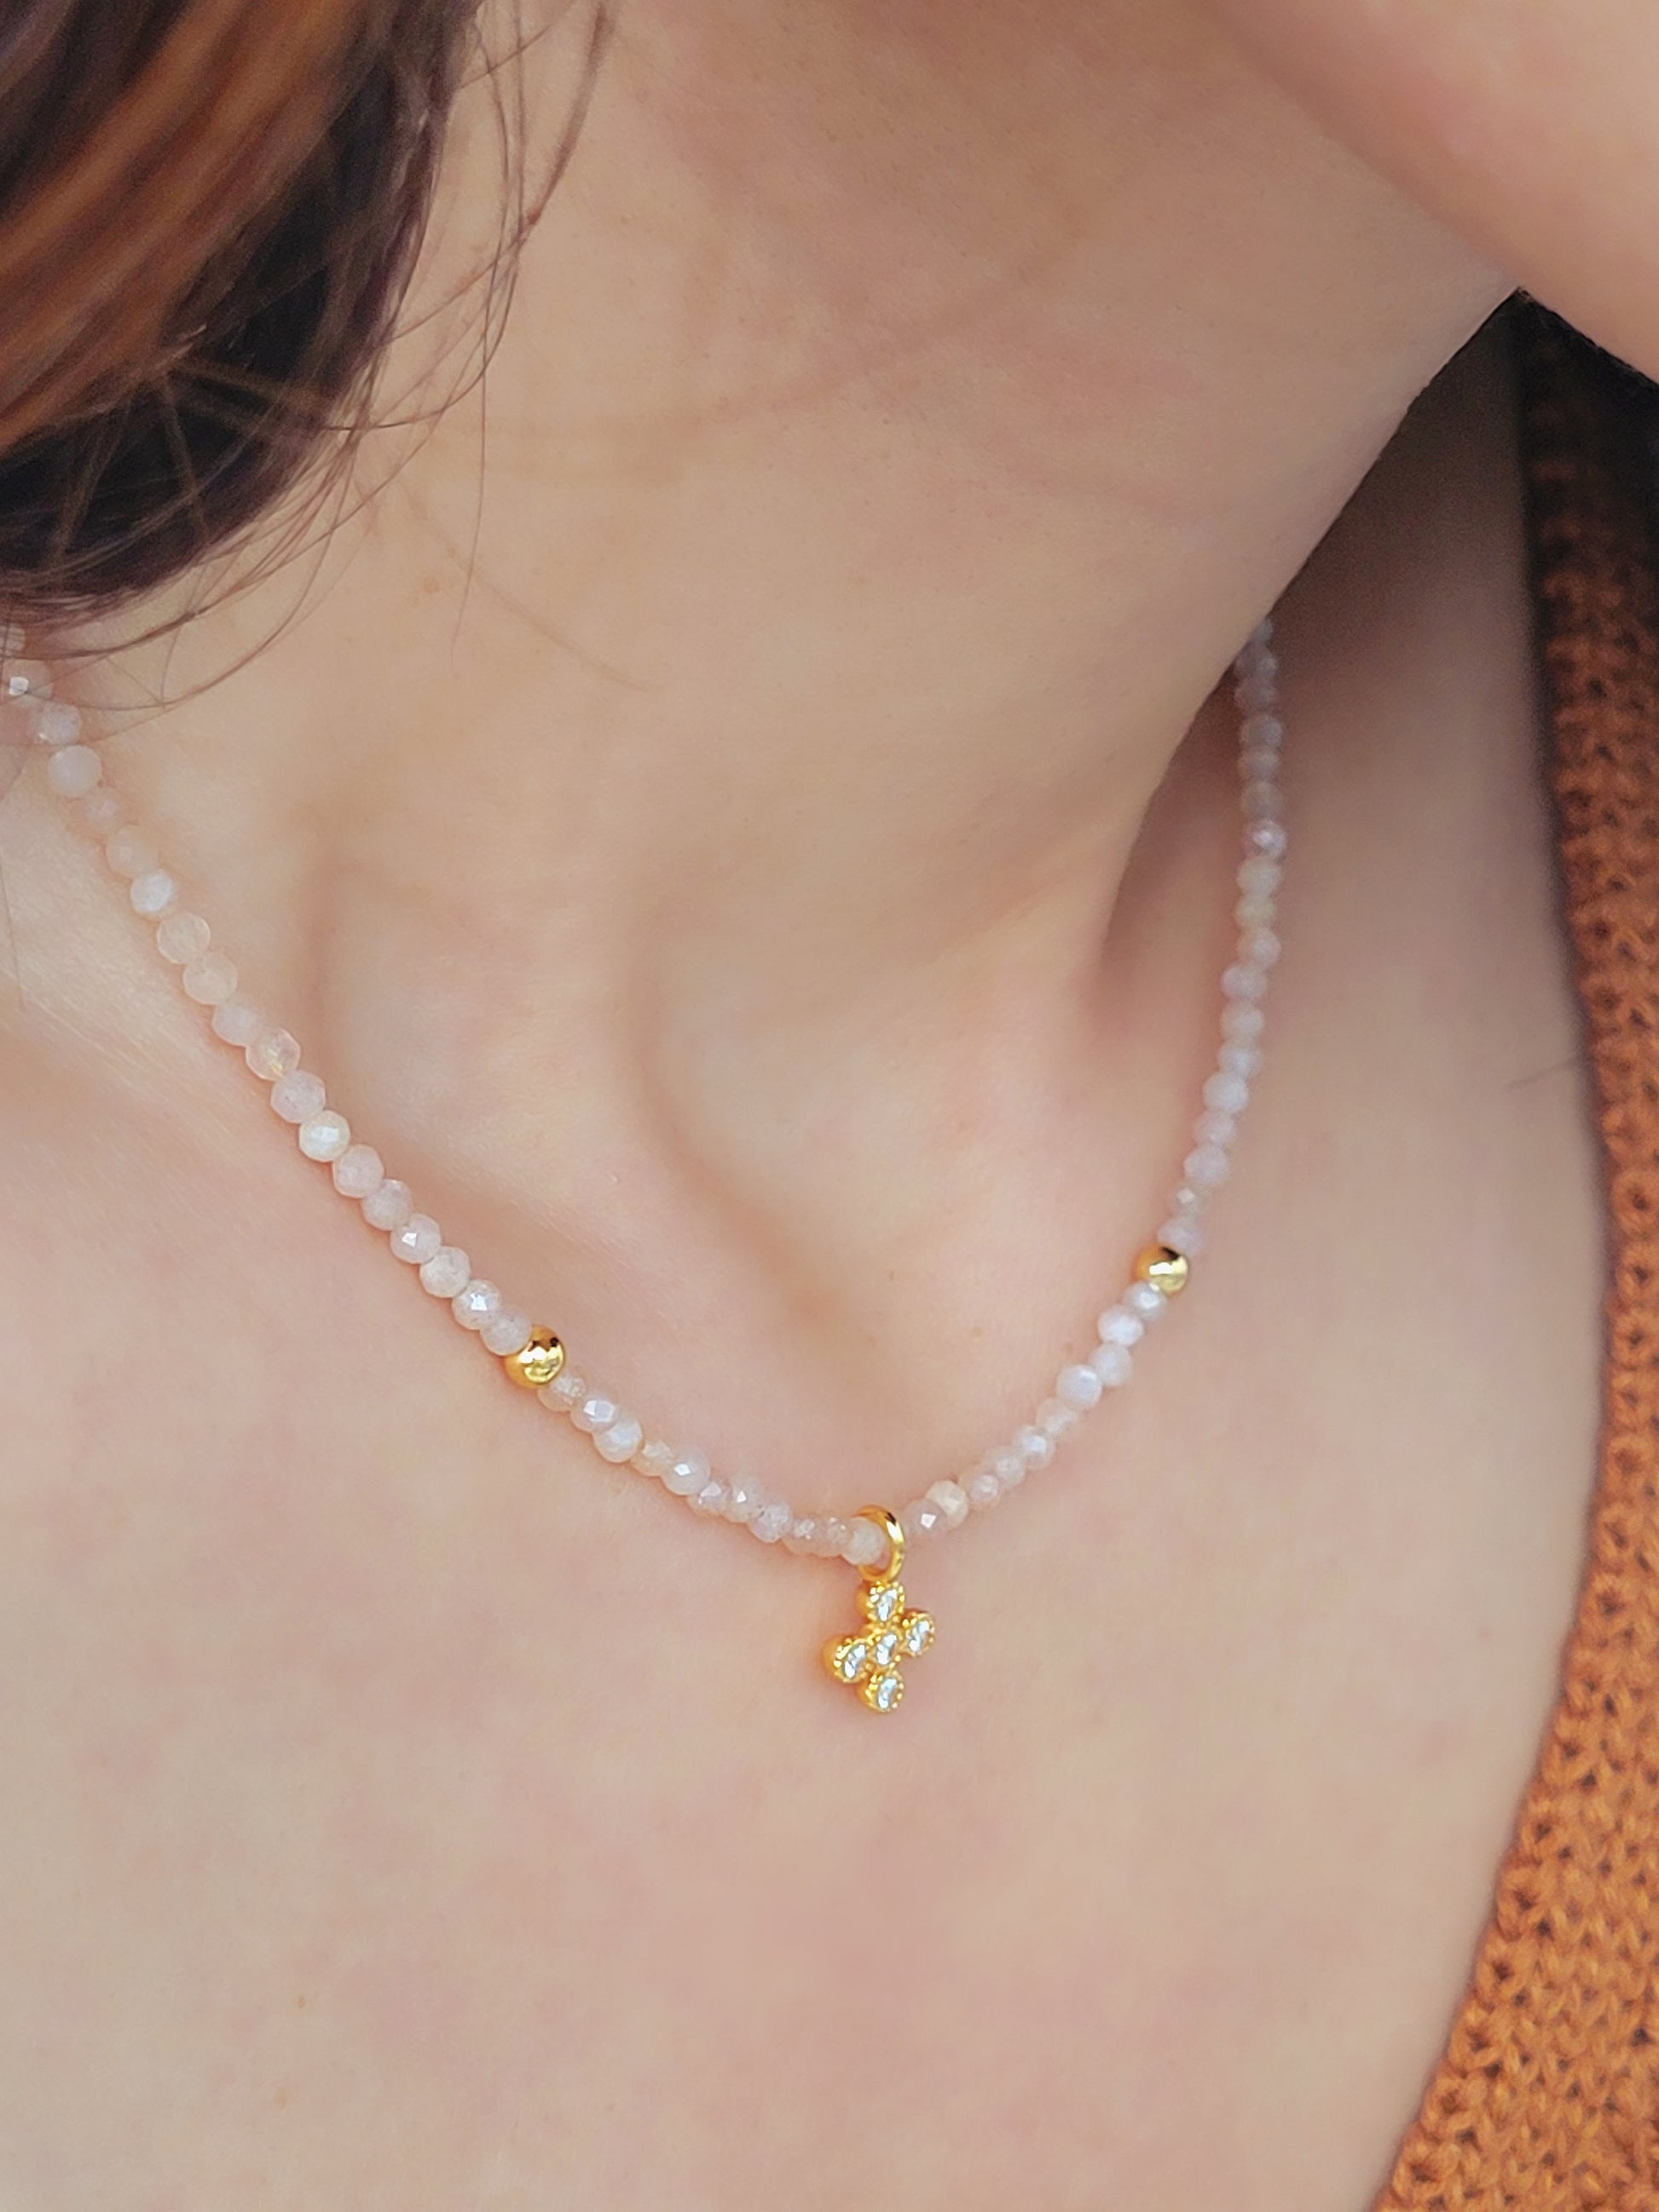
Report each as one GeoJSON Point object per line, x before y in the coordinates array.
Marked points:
{"type": "Point", "coordinates": [208, 213]}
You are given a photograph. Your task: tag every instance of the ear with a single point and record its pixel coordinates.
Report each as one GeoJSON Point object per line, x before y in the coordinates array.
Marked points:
{"type": "Point", "coordinates": [1531, 127]}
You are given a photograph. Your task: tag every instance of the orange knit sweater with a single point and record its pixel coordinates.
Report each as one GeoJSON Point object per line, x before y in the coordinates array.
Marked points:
{"type": "Point", "coordinates": [1547, 2093]}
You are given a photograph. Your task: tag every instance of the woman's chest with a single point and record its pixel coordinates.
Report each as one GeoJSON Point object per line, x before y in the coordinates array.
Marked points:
{"type": "Point", "coordinates": [405, 1811]}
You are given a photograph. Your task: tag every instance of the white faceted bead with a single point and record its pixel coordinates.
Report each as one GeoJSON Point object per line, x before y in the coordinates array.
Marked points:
{"type": "Point", "coordinates": [56, 723]}
{"type": "Point", "coordinates": [801, 1535]}
{"type": "Point", "coordinates": [476, 1302]}
{"type": "Point", "coordinates": [504, 1333]}
{"type": "Point", "coordinates": [415, 1240]}
{"type": "Point", "coordinates": [619, 1442]}
{"type": "Point", "coordinates": [983, 1490]}
{"type": "Point", "coordinates": [100, 813]}
{"type": "Point", "coordinates": [1206, 1168]}
{"type": "Point", "coordinates": [1267, 839]}
{"type": "Point", "coordinates": [744, 1499]}
{"type": "Point", "coordinates": [1253, 914]}
{"type": "Point", "coordinates": [179, 937]}
{"type": "Point", "coordinates": [273, 1054]}
{"type": "Point", "coordinates": [358, 1170]}
{"type": "Point", "coordinates": [1261, 729]}
{"type": "Point", "coordinates": [1006, 1466]}
{"type": "Point", "coordinates": [712, 1498]}
{"type": "Point", "coordinates": [1078, 1386]}
{"type": "Point", "coordinates": [326, 1136]}
{"type": "Point", "coordinates": [1182, 1234]}
{"type": "Point", "coordinates": [1260, 947]}
{"type": "Point", "coordinates": [1259, 878]}
{"type": "Point", "coordinates": [1146, 1300]}
{"type": "Point", "coordinates": [447, 1272]}
{"type": "Point", "coordinates": [152, 893]}
{"type": "Point", "coordinates": [1259, 802]}
{"type": "Point", "coordinates": [595, 1413]}
{"type": "Point", "coordinates": [1056, 1418]}
{"type": "Point", "coordinates": [208, 979]}
{"type": "Point", "coordinates": [773, 1522]}
{"type": "Point", "coordinates": [952, 1500]}
{"type": "Point", "coordinates": [25, 679]}
{"type": "Point", "coordinates": [296, 1097]}
{"type": "Point", "coordinates": [72, 772]}
{"type": "Point", "coordinates": [687, 1475]}
{"type": "Point", "coordinates": [1242, 982]}
{"type": "Point", "coordinates": [1242, 1023]}
{"type": "Point", "coordinates": [1035, 1445]}
{"type": "Point", "coordinates": [655, 1458]}
{"type": "Point", "coordinates": [389, 1205]}
{"type": "Point", "coordinates": [564, 1392]}
{"type": "Point", "coordinates": [866, 1545]}
{"type": "Point", "coordinates": [1239, 1059]}
{"type": "Point", "coordinates": [1117, 1325]}
{"type": "Point", "coordinates": [922, 1517]}
{"type": "Point", "coordinates": [1258, 763]}
{"type": "Point", "coordinates": [1258, 689]}
{"type": "Point", "coordinates": [1114, 1365]}
{"type": "Point", "coordinates": [1228, 1094]}
{"type": "Point", "coordinates": [130, 851]}
{"type": "Point", "coordinates": [834, 1533]}
{"type": "Point", "coordinates": [1213, 1128]}
{"type": "Point", "coordinates": [237, 1021]}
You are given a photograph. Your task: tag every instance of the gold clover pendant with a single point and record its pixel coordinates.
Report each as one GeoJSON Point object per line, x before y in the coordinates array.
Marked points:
{"type": "Point", "coordinates": [871, 1659]}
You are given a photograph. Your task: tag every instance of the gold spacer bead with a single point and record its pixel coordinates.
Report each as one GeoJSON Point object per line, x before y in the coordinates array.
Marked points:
{"type": "Point", "coordinates": [1165, 1270]}
{"type": "Point", "coordinates": [537, 1362]}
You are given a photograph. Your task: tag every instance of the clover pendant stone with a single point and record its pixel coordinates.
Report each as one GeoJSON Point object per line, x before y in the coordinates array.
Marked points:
{"type": "Point", "coordinates": [872, 1659]}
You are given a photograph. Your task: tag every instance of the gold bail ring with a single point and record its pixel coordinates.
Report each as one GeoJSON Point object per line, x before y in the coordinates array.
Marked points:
{"type": "Point", "coordinates": [888, 1525]}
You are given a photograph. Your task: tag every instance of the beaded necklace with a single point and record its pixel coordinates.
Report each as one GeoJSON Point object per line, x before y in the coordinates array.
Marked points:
{"type": "Point", "coordinates": [869, 1659]}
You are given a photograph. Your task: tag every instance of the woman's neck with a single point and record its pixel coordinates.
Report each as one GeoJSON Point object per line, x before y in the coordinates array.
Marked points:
{"type": "Point", "coordinates": [746, 699]}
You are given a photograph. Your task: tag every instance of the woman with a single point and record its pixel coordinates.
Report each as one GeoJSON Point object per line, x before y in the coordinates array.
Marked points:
{"type": "Point", "coordinates": [736, 792]}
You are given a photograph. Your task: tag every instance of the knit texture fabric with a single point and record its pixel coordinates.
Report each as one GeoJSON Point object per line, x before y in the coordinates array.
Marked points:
{"type": "Point", "coordinates": [1547, 2094]}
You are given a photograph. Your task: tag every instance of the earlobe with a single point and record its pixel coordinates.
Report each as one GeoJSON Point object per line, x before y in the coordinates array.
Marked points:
{"type": "Point", "coordinates": [1529, 127]}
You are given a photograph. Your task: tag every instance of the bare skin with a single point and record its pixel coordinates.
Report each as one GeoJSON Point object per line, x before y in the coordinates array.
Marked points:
{"type": "Point", "coordinates": [719, 866]}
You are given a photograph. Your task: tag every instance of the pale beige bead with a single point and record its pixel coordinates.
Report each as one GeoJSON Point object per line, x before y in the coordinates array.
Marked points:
{"type": "Point", "coordinates": [208, 979]}
{"type": "Point", "coordinates": [180, 936]}
{"type": "Point", "coordinates": [72, 772]}
{"type": "Point", "coordinates": [130, 850]}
